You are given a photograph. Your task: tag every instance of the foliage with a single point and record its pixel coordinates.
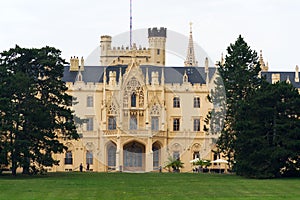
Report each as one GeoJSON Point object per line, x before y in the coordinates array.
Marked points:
{"type": "Point", "coordinates": [238, 76]}
{"type": "Point", "coordinates": [34, 106]}
{"type": "Point", "coordinates": [202, 163]}
{"type": "Point", "coordinates": [174, 163]}
{"type": "Point", "coordinates": [268, 132]}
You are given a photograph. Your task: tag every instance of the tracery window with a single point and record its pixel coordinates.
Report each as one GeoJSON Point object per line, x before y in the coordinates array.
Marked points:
{"type": "Point", "coordinates": [155, 110]}
{"type": "Point", "coordinates": [133, 92]}
{"type": "Point", "coordinates": [112, 109]}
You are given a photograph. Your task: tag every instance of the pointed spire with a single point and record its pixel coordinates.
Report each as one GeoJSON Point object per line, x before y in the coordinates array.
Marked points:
{"type": "Point", "coordinates": [222, 60]}
{"type": "Point", "coordinates": [263, 67]}
{"type": "Point", "coordinates": [79, 76]}
{"type": "Point", "coordinates": [206, 70]}
{"type": "Point", "coordinates": [81, 64]}
{"type": "Point", "coordinates": [190, 57]}
{"type": "Point", "coordinates": [185, 77]}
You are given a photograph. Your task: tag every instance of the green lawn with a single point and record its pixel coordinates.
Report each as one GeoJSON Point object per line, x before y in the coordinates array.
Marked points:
{"type": "Point", "coordinates": [145, 186]}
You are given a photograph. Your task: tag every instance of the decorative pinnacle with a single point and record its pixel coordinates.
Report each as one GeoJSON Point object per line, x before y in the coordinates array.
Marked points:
{"type": "Point", "coordinates": [191, 24]}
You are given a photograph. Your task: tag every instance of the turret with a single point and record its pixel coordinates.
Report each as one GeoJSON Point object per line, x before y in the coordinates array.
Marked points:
{"type": "Point", "coordinates": [82, 64]}
{"type": "Point", "coordinates": [112, 78]}
{"type": "Point", "coordinates": [157, 45]}
{"type": "Point", "coordinates": [105, 46]}
{"type": "Point", "coordinates": [74, 64]}
{"type": "Point", "coordinates": [154, 78]}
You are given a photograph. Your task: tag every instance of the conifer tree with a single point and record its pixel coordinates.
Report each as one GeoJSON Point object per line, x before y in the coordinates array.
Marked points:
{"type": "Point", "coordinates": [268, 132]}
{"type": "Point", "coordinates": [239, 77]}
{"type": "Point", "coordinates": [34, 106]}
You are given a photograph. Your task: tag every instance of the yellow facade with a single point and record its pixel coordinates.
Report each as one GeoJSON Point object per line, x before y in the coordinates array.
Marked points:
{"type": "Point", "coordinates": [138, 112]}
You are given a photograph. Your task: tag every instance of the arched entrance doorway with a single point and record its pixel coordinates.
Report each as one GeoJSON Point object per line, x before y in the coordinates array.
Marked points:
{"type": "Point", "coordinates": [111, 150]}
{"type": "Point", "coordinates": [156, 149]}
{"type": "Point", "coordinates": [134, 156]}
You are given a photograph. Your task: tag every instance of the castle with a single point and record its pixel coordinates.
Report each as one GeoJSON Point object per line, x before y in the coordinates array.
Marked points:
{"type": "Point", "coordinates": [138, 112]}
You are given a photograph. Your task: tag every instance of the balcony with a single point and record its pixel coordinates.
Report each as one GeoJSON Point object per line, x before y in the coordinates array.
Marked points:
{"type": "Point", "coordinates": [136, 133]}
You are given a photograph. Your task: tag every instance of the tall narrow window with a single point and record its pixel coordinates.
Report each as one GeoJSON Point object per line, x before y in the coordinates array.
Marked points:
{"type": "Point", "coordinates": [158, 51]}
{"type": "Point", "coordinates": [111, 156]}
{"type": "Point", "coordinates": [196, 102]}
{"type": "Point", "coordinates": [156, 152]}
{"type": "Point", "coordinates": [89, 157]}
{"type": "Point", "coordinates": [176, 124]}
{"type": "Point", "coordinates": [133, 100]}
{"type": "Point", "coordinates": [90, 124]}
{"type": "Point", "coordinates": [68, 158]}
{"type": "Point", "coordinates": [154, 123]}
{"type": "Point", "coordinates": [112, 125]}
{"type": "Point", "coordinates": [90, 101]}
{"type": "Point", "coordinates": [176, 102]}
{"type": "Point", "coordinates": [133, 122]}
{"type": "Point", "coordinates": [196, 124]}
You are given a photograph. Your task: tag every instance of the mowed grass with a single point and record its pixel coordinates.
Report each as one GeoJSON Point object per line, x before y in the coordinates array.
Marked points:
{"type": "Point", "coordinates": [179, 186]}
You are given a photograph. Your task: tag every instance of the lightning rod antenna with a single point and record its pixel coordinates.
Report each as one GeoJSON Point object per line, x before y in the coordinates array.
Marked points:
{"type": "Point", "coordinates": [130, 23]}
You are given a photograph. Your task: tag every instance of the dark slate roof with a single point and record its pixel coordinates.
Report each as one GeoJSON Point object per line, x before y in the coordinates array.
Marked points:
{"type": "Point", "coordinates": [283, 77]}
{"type": "Point", "coordinates": [172, 74]}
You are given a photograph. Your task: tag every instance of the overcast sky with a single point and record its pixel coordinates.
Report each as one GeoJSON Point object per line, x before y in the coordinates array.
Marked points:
{"type": "Point", "coordinates": [75, 26]}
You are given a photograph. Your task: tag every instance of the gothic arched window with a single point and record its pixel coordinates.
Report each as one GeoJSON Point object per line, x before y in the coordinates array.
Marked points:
{"type": "Point", "coordinates": [133, 99]}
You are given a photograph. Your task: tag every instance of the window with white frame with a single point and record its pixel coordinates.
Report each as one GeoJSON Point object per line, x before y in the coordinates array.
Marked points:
{"type": "Point", "coordinates": [90, 124]}
{"type": "Point", "coordinates": [196, 124]}
{"type": "Point", "coordinates": [90, 101]}
{"type": "Point", "coordinates": [176, 124]}
{"type": "Point", "coordinates": [176, 102]}
{"type": "Point", "coordinates": [196, 102]}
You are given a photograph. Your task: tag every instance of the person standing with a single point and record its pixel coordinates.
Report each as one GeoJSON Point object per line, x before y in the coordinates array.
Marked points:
{"type": "Point", "coordinates": [80, 167]}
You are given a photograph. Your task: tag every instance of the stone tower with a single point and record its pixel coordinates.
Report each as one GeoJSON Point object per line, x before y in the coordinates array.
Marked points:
{"type": "Point", "coordinates": [105, 45]}
{"type": "Point", "coordinates": [157, 45]}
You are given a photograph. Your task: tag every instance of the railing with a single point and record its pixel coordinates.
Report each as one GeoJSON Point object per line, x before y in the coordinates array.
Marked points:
{"type": "Point", "coordinates": [134, 133]}
{"type": "Point", "coordinates": [110, 132]}
{"type": "Point", "coordinates": [187, 134]}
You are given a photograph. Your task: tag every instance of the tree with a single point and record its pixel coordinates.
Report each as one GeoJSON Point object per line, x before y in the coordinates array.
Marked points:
{"type": "Point", "coordinates": [268, 132]}
{"type": "Point", "coordinates": [34, 107]}
{"type": "Point", "coordinates": [174, 163]}
{"type": "Point", "coordinates": [238, 77]}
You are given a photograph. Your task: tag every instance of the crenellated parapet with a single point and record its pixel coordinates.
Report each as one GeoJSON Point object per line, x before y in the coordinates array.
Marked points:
{"type": "Point", "coordinates": [153, 55]}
